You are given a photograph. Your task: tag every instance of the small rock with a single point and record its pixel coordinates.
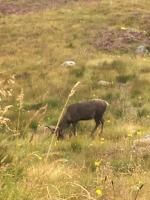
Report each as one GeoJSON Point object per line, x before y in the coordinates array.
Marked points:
{"type": "Point", "coordinates": [105, 83]}
{"type": "Point", "coordinates": [145, 139]}
{"type": "Point", "coordinates": [141, 50]}
{"type": "Point", "coordinates": [142, 146]}
{"type": "Point", "coordinates": [69, 63]}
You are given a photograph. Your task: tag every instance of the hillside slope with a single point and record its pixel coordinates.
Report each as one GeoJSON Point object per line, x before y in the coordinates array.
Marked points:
{"type": "Point", "coordinates": [36, 37]}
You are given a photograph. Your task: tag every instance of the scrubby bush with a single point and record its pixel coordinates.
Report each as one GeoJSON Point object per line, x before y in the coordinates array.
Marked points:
{"type": "Point", "coordinates": [33, 125]}
{"type": "Point", "coordinates": [76, 146]}
{"type": "Point", "coordinates": [123, 166]}
{"type": "Point", "coordinates": [143, 112]}
{"type": "Point", "coordinates": [5, 155]}
{"type": "Point", "coordinates": [78, 72]}
{"type": "Point", "coordinates": [125, 78]}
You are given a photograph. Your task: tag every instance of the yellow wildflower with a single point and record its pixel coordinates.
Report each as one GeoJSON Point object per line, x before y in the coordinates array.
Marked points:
{"type": "Point", "coordinates": [135, 188]}
{"type": "Point", "coordinates": [99, 192]}
{"type": "Point", "coordinates": [102, 140]}
{"type": "Point", "coordinates": [55, 144]}
{"type": "Point", "coordinates": [130, 135]}
{"type": "Point", "coordinates": [108, 121]}
{"type": "Point", "coordinates": [138, 186]}
{"type": "Point", "coordinates": [97, 163]}
{"type": "Point", "coordinates": [140, 183]}
{"type": "Point", "coordinates": [123, 28]}
{"type": "Point", "coordinates": [138, 132]}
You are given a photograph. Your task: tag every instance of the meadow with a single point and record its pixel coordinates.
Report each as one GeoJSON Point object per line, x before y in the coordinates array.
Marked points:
{"type": "Point", "coordinates": [36, 37]}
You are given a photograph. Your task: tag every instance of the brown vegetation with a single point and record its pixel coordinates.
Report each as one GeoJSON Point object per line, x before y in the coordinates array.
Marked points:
{"type": "Point", "coordinates": [125, 39]}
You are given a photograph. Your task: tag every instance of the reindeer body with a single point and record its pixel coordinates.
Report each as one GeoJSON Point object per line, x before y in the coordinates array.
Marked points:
{"type": "Point", "coordinates": [93, 109]}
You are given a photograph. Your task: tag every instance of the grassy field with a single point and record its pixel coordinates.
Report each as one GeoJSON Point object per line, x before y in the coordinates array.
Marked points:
{"type": "Point", "coordinates": [36, 37]}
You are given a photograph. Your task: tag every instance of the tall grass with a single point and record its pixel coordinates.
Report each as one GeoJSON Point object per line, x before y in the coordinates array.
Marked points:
{"type": "Point", "coordinates": [73, 90]}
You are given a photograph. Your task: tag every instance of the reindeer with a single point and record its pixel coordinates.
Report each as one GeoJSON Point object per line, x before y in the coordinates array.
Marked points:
{"type": "Point", "coordinates": [92, 109]}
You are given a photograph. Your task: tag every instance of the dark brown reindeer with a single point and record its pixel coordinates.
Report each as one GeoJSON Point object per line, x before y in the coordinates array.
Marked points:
{"type": "Point", "coordinates": [92, 109]}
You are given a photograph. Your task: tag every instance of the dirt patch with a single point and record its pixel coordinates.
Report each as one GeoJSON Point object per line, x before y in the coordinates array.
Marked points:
{"type": "Point", "coordinates": [10, 8]}
{"type": "Point", "coordinates": [122, 39]}
{"type": "Point", "coordinates": [145, 70]}
{"type": "Point", "coordinates": [24, 75]}
{"type": "Point", "coordinates": [29, 6]}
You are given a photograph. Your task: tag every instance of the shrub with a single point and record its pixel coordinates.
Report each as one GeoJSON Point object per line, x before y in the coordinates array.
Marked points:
{"type": "Point", "coordinates": [33, 125]}
{"type": "Point", "coordinates": [53, 103]}
{"type": "Point", "coordinates": [111, 96]}
{"type": "Point", "coordinates": [17, 172]}
{"type": "Point", "coordinates": [76, 146]}
{"type": "Point", "coordinates": [146, 161]}
{"type": "Point", "coordinates": [122, 166]}
{"type": "Point", "coordinates": [78, 72]}
{"type": "Point", "coordinates": [125, 78]}
{"type": "Point", "coordinates": [5, 156]}
{"type": "Point", "coordinates": [117, 65]}
{"type": "Point", "coordinates": [135, 93]}
{"type": "Point", "coordinates": [33, 106]}
{"type": "Point", "coordinates": [52, 120]}
{"type": "Point", "coordinates": [142, 112]}
{"type": "Point", "coordinates": [118, 112]}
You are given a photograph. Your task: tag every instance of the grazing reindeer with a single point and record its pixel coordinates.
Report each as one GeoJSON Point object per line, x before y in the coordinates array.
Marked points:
{"type": "Point", "coordinates": [93, 109]}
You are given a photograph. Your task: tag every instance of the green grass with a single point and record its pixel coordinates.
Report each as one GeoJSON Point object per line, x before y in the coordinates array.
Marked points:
{"type": "Point", "coordinates": [33, 46]}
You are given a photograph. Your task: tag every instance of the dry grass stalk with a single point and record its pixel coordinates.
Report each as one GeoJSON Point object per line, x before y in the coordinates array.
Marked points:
{"type": "Point", "coordinates": [138, 191]}
{"type": "Point", "coordinates": [5, 92]}
{"type": "Point", "coordinates": [88, 195]}
{"type": "Point", "coordinates": [48, 193]}
{"type": "Point", "coordinates": [20, 99]}
{"type": "Point", "coordinates": [113, 187]}
{"type": "Point", "coordinates": [73, 90]}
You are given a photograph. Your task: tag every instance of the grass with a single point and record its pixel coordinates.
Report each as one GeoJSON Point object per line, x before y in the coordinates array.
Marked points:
{"type": "Point", "coordinates": [34, 44]}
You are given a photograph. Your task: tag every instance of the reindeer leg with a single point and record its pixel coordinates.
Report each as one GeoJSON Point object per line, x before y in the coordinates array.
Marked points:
{"type": "Point", "coordinates": [60, 135]}
{"type": "Point", "coordinates": [102, 126]}
{"type": "Point", "coordinates": [93, 131]}
{"type": "Point", "coordinates": [74, 129]}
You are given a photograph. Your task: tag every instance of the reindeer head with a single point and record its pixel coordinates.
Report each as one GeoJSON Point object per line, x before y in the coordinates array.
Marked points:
{"type": "Point", "coordinates": [60, 134]}
{"type": "Point", "coordinates": [57, 131]}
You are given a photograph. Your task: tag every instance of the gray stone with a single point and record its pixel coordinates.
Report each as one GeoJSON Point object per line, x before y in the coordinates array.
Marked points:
{"type": "Point", "coordinates": [141, 146]}
{"type": "Point", "coordinates": [105, 83]}
{"type": "Point", "coordinates": [141, 50]}
{"type": "Point", "coordinates": [69, 63]}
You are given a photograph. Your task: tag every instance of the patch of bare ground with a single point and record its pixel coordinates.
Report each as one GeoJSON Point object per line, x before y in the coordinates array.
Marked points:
{"type": "Point", "coordinates": [25, 6]}
{"type": "Point", "coordinates": [122, 39]}
{"type": "Point", "coordinates": [22, 7]}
